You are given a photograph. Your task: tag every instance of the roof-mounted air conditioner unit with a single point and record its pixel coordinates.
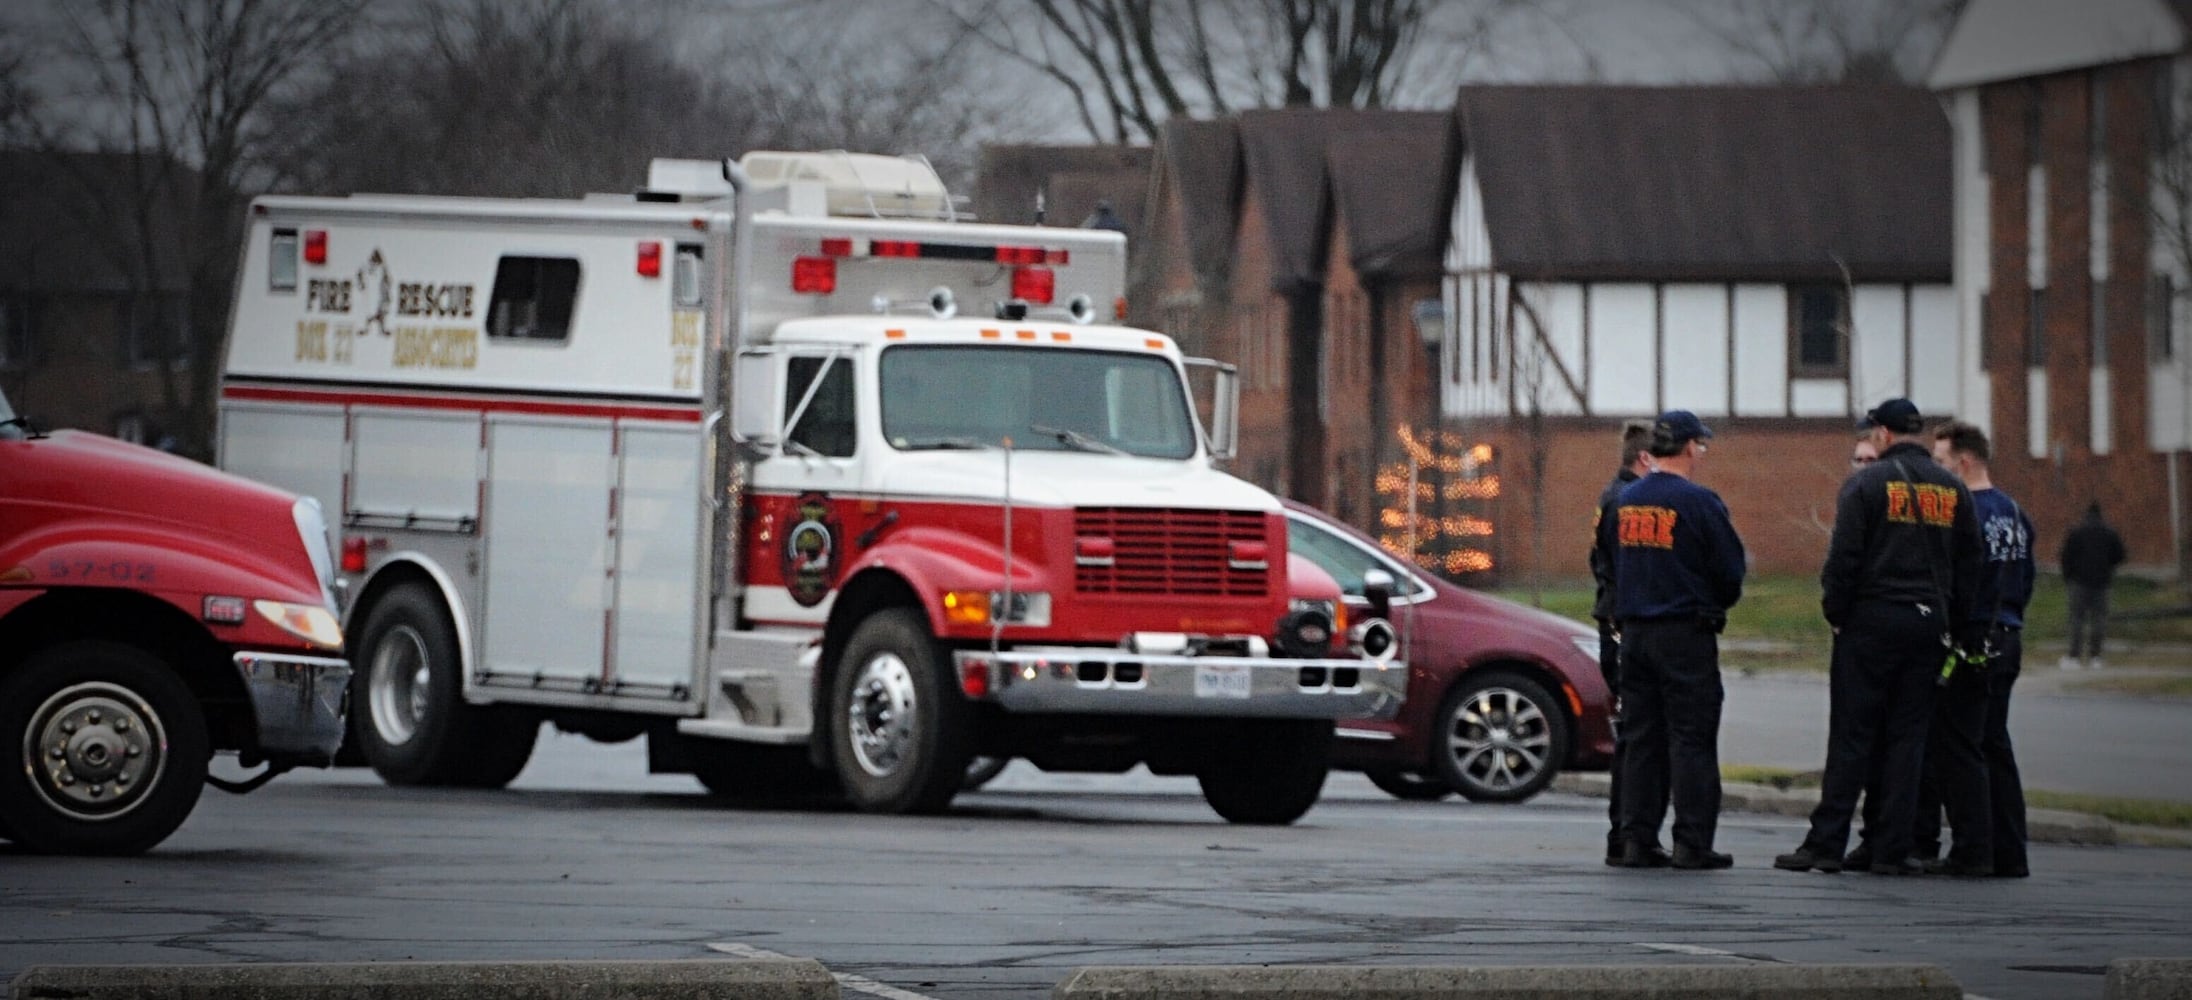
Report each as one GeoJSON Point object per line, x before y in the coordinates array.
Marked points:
{"type": "Point", "coordinates": [857, 184]}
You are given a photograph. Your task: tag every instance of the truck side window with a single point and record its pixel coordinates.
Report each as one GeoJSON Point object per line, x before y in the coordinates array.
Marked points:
{"type": "Point", "coordinates": [827, 425]}
{"type": "Point", "coordinates": [532, 299]}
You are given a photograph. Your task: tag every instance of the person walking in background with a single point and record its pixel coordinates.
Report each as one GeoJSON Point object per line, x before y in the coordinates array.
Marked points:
{"type": "Point", "coordinates": [1635, 436]}
{"type": "Point", "coordinates": [2090, 555]}
{"type": "Point", "coordinates": [1678, 568]}
{"type": "Point", "coordinates": [1899, 588]}
{"type": "Point", "coordinates": [2004, 589]}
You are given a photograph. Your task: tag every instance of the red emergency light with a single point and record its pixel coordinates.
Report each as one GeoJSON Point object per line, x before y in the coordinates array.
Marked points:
{"type": "Point", "coordinates": [650, 259]}
{"type": "Point", "coordinates": [1037, 285]}
{"type": "Point", "coordinates": [814, 275]}
{"type": "Point", "coordinates": [315, 246]}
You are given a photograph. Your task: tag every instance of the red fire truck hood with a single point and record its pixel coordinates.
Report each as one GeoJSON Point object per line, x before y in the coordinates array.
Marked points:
{"type": "Point", "coordinates": [1071, 479]}
{"type": "Point", "coordinates": [92, 471]}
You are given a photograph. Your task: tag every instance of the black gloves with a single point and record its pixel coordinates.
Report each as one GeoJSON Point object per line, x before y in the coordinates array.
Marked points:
{"type": "Point", "coordinates": [1973, 639]}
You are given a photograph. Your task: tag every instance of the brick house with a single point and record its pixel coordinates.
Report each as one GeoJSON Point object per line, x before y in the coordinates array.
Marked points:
{"type": "Point", "coordinates": [1776, 259]}
{"type": "Point", "coordinates": [2070, 123]}
{"type": "Point", "coordinates": [92, 318]}
{"type": "Point", "coordinates": [1301, 245]}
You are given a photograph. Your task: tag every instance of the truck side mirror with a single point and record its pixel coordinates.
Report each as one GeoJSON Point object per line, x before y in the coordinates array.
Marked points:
{"type": "Point", "coordinates": [1377, 587]}
{"type": "Point", "coordinates": [1224, 433]}
{"type": "Point", "coordinates": [757, 399]}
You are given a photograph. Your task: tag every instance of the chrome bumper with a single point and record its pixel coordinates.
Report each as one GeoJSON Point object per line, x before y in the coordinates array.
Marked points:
{"type": "Point", "coordinates": [299, 703]}
{"type": "Point", "coordinates": [1104, 681]}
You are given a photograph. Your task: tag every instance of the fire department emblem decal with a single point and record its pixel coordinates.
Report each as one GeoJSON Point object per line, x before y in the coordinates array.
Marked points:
{"type": "Point", "coordinates": [810, 551]}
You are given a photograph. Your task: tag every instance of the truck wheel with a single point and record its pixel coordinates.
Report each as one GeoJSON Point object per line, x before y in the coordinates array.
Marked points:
{"type": "Point", "coordinates": [901, 734]}
{"type": "Point", "coordinates": [1499, 737]}
{"type": "Point", "coordinates": [413, 723]}
{"type": "Point", "coordinates": [748, 774]}
{"type": "Point", "coordinates": [500, 741]}
{"type": "Point", "coordinates": [1267, 772]}
{"type": "Point", "coordinates": [111, 750]}
{"type": "Point", "coordinates": [1409, 787]}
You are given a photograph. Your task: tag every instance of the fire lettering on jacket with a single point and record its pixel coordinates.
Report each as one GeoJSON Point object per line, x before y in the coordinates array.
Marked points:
{"type": "Point", "coordinates": [1647, 527]}
{"type": "Point", "coordinates": [1927, 503]}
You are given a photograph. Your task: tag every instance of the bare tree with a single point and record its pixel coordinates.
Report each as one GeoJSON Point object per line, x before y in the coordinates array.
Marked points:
{"type": "Point", "coordinates": [1827, 41]}
{"type": "Point", "coordinates": [1127, 65]}
{"type": "Point", "coordinates": [177, 88]}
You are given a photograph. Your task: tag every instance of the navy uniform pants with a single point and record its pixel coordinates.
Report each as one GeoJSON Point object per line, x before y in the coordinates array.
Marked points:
{"type": "Point", "coordinates": [1670, 725]}
{"type": "Point", "coordinates": [1956, 773]}
{"type": "Point", "coordinates": [1880, 704]}
{"type": "Point", "coordinates": [2005, 787]}
{"type": "Point", "coordinates": [1609, 667]}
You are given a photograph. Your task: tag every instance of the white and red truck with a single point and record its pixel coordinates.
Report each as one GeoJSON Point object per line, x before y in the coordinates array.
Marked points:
{"type": "Point", "coordinates": [153, 612]}
{"type": "Point", "coordinates": [784, 466]}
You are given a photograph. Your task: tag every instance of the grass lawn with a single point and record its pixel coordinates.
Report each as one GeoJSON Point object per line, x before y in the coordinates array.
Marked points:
{"type": "Point", "coordinates": [1777, 625]}
{"type": "Point", "coordinates": [2136, 812]}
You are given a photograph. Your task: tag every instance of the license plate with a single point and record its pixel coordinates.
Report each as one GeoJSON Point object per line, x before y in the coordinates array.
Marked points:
{"type": "Point", "coordinates": [1221, 680]}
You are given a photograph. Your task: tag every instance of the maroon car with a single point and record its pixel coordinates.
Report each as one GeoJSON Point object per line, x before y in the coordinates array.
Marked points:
{"type": "Point", "coordinates": [1501, 697]}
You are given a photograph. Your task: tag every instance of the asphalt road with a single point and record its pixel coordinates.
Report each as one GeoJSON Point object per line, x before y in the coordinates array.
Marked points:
{"type": "Point", "coordinates": [587, 857]}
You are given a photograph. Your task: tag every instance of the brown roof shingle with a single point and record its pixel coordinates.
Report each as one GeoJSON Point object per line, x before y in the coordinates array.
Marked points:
{"type": "Point", "coordinates": [1729, 183]}
{"type": "Point", "coordinates": [1072, 178]}
{"type": "Point", "coordinates": [1371, 161]}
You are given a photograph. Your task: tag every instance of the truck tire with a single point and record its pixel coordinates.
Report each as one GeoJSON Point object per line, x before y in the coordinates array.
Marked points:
{"type": "Point", "coordinates": [749, 774]}
{"type": "Point", "coordinates": [1266, 772]}
{"type": "Point", "coordinates": [501, 739]}
{"type": "Point", "coordinates": [407, 690]}
{"type": "Point", "coordinates": [1499, 737]}
{"type": "Point", "coordinates": [110, 750]}
{"type": "Point", "coordinates": [900, 732]}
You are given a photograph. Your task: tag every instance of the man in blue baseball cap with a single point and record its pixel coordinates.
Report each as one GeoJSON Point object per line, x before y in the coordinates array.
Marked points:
{"type": "Point", "coordinates": [1899, 589]}
{"type": "Point", "coordinates": [1677, 569]}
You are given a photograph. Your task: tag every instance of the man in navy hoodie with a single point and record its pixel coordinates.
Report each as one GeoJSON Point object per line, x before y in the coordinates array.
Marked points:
{"type": "Point", "coordinates": [1677, 570]}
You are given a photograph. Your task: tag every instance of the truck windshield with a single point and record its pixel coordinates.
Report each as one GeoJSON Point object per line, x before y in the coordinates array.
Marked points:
{"type": "Point", "coordinates": [1044, 399]}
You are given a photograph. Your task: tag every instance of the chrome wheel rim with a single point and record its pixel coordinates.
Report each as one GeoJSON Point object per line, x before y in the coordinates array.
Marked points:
{"type": "Point", "coordinates": [882, 715]}
{"type": "Point", "coordinates": [94, 751]}
{"type": "Point", "coordinates": [397, 685]}
{"type": "Point", "coordinates": [1499, 739]}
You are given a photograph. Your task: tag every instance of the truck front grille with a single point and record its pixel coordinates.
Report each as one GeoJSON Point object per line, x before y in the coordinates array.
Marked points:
{"type": "Point", "coordinates": [1170, 551]}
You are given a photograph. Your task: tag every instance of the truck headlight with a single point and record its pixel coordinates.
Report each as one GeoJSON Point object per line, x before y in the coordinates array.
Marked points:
{"type": "Point", "coordinates": [310, 622]}
{"type": "Point", "coordinates": [981, 607]}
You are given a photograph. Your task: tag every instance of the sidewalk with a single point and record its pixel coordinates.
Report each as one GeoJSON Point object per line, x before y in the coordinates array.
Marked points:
{"type": "Point", "coordinates": [2042, 826]}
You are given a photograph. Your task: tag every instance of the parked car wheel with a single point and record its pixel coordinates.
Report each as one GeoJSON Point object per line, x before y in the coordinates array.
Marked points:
{"type": "Point", "coordinates": [982, 770]}
{"type": "Point", "coordinates": [900, 731]}
{"type": "Point", "coordinates": [1408, 786]}
{"type": "Point", "coordinates": [1499, 737]}
{"type": "Point", "coordinates": [1266, 772]}
{"type": "Point", "coordinates": [111, 750]}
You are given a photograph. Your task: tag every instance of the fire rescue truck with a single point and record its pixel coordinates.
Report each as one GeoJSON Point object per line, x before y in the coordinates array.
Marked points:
{"type": "Point", "coordinates": [785, 466]}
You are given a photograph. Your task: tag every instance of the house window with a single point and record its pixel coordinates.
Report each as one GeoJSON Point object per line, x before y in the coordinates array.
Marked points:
{"type": "Point", "coordinates": [155, 328]}
{"type": "Point", "coordinates": [2036, 329]}
{"type": "Point", "coordinates": [2100, 324]}
{"type": "Point", "coordinates": [15, 333]}
{"type": "Point", "coordinates": [1818, 325]}
{"type": "Point", "coordinates": [2160, 319]}
{"type": "Point", "coordinates": [533, 298]}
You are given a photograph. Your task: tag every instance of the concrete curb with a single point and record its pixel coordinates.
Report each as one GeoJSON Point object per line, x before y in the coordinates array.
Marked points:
{"type": "Point", "coordinates": [695, 979]}
{"type": "Point", "coordinates": [2042, 826]}
{"type": "Point", "coordinates": [2149, 979]}
{"type": "Point", "coordinates": [1591, 982]}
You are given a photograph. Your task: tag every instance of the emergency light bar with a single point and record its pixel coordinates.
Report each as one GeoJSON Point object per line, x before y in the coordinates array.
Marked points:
{"type": "Point", "coordinates": [1019, 256]}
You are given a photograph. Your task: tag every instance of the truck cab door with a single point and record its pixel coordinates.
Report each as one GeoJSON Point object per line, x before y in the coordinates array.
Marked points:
{"type": "Point", "coordinates": [814, 459]}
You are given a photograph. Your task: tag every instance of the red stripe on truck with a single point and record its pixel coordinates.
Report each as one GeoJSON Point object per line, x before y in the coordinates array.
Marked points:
{"type": "Point", "coordinates": [476, 404]}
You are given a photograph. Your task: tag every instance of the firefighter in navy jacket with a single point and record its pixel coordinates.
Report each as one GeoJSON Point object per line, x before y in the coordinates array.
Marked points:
{"type": "Point", "coordinates": [1678, 568]}
{"type": "Point", "coordinates": [1900, 589]}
